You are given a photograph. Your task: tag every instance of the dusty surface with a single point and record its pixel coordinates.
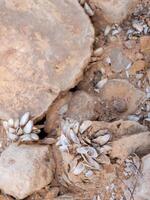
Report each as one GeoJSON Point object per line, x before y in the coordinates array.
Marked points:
{"type": "Point", "coordinates": [101, 152]}
{"type": "Point", "coordinates": [40, 59]}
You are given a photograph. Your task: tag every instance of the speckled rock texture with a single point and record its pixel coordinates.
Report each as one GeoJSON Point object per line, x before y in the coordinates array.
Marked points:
{"type": "Point", "coordinates": [45, 46]}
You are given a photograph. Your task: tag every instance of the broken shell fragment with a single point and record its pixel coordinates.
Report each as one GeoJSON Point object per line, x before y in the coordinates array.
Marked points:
{"type": "Point", "coordinates": [79, 169]}
{"type": "Point", "coordinates": [74, 137]}
{"type": "Point", "coordinates": [24, 119]}
{"type": "Point", "coordinates": [28, 127]}
{"type": "Point", "coordinates": [89, 173]}
{"type": "Point", "coordinates": [102, 139]}
{"type": "Point", "coordinates": [103, 159]}
{"type": "Point", "coordinates": [105, 149]}
{"type": "Point", "coordinates": [11, 130]}
{"type": "Point", "coordinates": [84, 126]}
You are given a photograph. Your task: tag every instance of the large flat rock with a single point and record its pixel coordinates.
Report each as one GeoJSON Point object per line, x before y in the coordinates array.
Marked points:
{"type": "Point", "coordinates": [45, 46]}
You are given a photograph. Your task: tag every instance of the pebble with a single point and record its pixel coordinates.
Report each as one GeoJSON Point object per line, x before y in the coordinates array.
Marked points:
{"type": "Point", "coordinates": [98, 52]}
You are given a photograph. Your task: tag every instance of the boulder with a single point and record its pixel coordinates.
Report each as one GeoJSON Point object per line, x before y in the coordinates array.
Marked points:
{"type": "Point", "coordinates": [113, 11]}
{"type": "Point", "coordinates": [25, 169]}
{"type": "Point", "coordinates": [45, 46]}
{"type": "Point", "coordinates": [143, 186]}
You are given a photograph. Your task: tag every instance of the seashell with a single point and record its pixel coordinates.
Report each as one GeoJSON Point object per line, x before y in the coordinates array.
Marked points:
{"type": "Point", "coordinates": [19, 132]}
{"type": "Point", "coordinates": [105, 149]}
{"type": "Point", "coordinates": [101, 132]}
{"type": "Point", "coordinates": [11, 130]}
{"type": "Point", "coordinates": [88, 10]}
{"type": "Point", "coordinates": [74, 137]}
{"type": "Point", "coordinates": [28, 127]}
{"type": "Point", "coordinates": [79, 169]}
{"type": "Point", "coordinates": [102, 139]}
{"type": "Point", "coordinates": [12, 137]}
{"type": "Point", "coordinates": [62, 140]}
{"type": "Point", "coordinates": [98, 52]}
{"type": "Point", "coordinates": [76, 127]}
{"type": "Point", "coordinates": [10, 122]}
{"type": "Point", "coordinates": [92, 152]}
{"type": "Point", "coordinates": [93, 163]}
{"type": "Point", "coordinates": [107, 30]}
{"type": "Point", "coordinates": [64, 148]}
{"type": "Point", "coordinates": [133, 118]}
{"type": "Point", "coordinates": [138, 27]}
{"type": "Point", "coordinates": [89, 173]}
{"type": "Point", "coordinates": [25, 138]}
{"type": "Point", "coordinates": [101, 83]}
{"type": "Point", "coordinates": [84, 126]}
{"type": "Point", "coordinates": [16, 124]}
{"type": "Point", "coordinates": [81, 150]}
{"type": "Point", "coordinates": [24, 119]}
{"type": "Point", "coordinates": [104, 159]}
{"type": "Point", "coordinates": [34, 136]}
{"type": "Point", "coordinates": [5, 124]}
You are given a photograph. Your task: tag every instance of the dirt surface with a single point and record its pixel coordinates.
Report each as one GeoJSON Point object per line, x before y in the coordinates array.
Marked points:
{"type": "Point", "coordinates": [113, 98]}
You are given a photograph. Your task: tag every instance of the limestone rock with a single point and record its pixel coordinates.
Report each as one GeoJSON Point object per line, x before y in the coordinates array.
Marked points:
{"type": "Point", "coordinates": [45, 46]}
{"type": "Point", "coordinates": [114, 11]}
{"type": "Point", "coordinates": [25, 169]}
{"type": "Point", "coordinates": [118, 89]}
{"type": "Point", "coordinates": [82, 107]}
{"type": "Point", "coordinates": [143, 187]}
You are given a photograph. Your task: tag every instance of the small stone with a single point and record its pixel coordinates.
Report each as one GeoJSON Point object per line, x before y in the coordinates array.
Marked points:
{"type": "Point", "coordinates": [137, 66]}
{"type": "Point", "coordinates": [119, 61]}
{"type": "Point", "coordinates": [25, 169]}
{"type": "Point", "coordinates": [145, 44]}
{"type": "Point", "coordinates": [107, 30]}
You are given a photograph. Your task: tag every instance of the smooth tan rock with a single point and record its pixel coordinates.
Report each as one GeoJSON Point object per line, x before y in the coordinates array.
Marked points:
{"type": "Point", "coordinates": [145, 44]}
{"type": "Point", "coordinates": [25, 169]}
{"type": "Point", "coordinates": [45, 46]}
{"type": "Point", "coordinates": [142, 191]}
{"type": "Point", "coordinates": [114, 11]}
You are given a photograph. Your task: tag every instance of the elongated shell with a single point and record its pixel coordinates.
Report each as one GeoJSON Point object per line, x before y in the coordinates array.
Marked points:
{"type": "Point", "coordinates": [16, 123]}
{"type": "Point", "coordinates": [24, 119]}
{"type": "Point", "coordinates": [34, 137]}
{"type": "Point", "coordinates": [28, 127]}
{"type": "Point", "coordinates": [74, 137]}
{"type": "Point", "coordinates": [85, 125]}
{"type": "Point", "coordinates": [102, 139]}
{"type": "Point", "coordinates": [12, 137]}
{"type": "Point", "coordinates": [26, 138]}
{"type": "Point", "coordinates": [79, 169]}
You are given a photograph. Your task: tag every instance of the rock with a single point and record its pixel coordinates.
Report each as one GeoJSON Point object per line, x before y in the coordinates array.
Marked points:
{"type": "Point", "coordinates": [122, 91]}
{"type": "Point", "coordinates": [82, 107]}
{"type": "Point", "coordinates": [40, 59]}
{"type": "Point", "coordinates": [142, 191]}
{"type": "Point", "coordinates": [25, 169]}
{"type": "Point", "coordinates": [137, 143]}
{"type": "Point", "coordinates": [145, 44]}
{"type": "Point", "coordinates": [113, 11]}
{"type": "Point", "coordinates": [53, 114]}
{"type": "Point", "coordinates": [137, 66]}
{"type": "Point", "coordinates": [119, 61]}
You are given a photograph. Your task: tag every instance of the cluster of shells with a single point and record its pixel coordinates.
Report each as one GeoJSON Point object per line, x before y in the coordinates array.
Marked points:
{"type": "Point", "coordinates": [88, 152]}
{"type": "Point", "coordinates": [22, 130]}
{"type": "Point", "coordinates": [139, 21]}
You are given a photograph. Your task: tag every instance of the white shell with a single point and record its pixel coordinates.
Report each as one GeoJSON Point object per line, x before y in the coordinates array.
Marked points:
{"type": "Point", "coordinates": [104, 159]}
{"type": "Point", "coordinates": [24, 119]}
{"type": "Point", "coordinates": [11, 130]}
{"type": "Point", "coordinates": [34, 136]}
{"type": "Point", "coordinates": [26, 138]}
{"type": "Point", "coordinates": [10, 122]}
{"type": "Point", "coordinates": [92, 152]}
{"type": "Point", "coordinates": [85, 125]}
{"type": "Point", "coordinates": [102, 139]}
{"type": "Point", "coordinates": [101, 83]}
{"type": "Point", "coordinates": [81, 150]}
{"type": "Point", "coordinates": [63, 148]}
{"type": "Point", "coordinates": [28, 127]}
{"type": "Point", "coordinates": [105, 149]}
{"type": "Point", "coordinates": [12, 137]}
{"type": "Point", "coordinates": [74, 137]}
{"type": "Point", "coordinates": [62, 141]}
{"type": "Point", "coordinates": [88, 10]}
{"type": "Point", "coordinates": [89, 173]}
{"type": "Point", "coordinates": [79, 169]}
{"type": "Point", "coordinates": [16, 123]}
{"type": "Point", "coordinates": [93, 163]}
